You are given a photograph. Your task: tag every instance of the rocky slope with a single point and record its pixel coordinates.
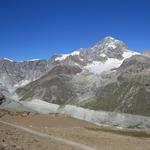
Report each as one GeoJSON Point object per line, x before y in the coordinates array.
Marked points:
{"type": "Point", "coordinates": [128, 91]}
{"type": "Point", "coordinates": [146, 53]}
{"type": "Point", "coordinates": [53, 87]}
{"type": "Point", "coordinates": [14, 74]}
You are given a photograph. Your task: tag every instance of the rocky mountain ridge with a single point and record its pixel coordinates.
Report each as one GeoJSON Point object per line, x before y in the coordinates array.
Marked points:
{"type": "Point", "coordinates": [107, 76]}
{"type": "Point", "coordinates": [15, 74]}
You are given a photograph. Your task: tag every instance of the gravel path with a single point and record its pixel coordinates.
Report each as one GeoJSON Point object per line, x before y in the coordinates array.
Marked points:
{"type": "Point", "coordinates": [60, 140]}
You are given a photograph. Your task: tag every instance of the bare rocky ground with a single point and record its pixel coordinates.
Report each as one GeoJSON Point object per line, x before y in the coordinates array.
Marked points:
{"type": "Point", "coordinates": [65, 127]}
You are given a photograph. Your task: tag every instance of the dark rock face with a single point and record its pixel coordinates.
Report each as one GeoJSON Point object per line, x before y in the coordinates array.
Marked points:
{"type": "Point", "coordinates": [2, 98]}
{"type": "Point", "coordinates": [136, 62]}
{"type": "Point", "coordinates": [65, 69]}
{"type": "Point", "coordinates": [135, 70]}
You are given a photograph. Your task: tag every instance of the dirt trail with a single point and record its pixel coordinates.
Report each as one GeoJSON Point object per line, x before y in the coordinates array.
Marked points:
{"type": "Point", "coordinates": [60, 132]}
{"type": "Point", "coordinates": [60, 140]}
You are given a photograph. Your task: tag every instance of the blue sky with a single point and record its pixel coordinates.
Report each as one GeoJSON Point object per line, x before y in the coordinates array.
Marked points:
{"type": "Point", "coordinates": [39, 28]}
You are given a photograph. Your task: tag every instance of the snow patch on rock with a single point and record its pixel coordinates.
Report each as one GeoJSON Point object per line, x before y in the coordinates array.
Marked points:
{"type": "Point", "coordinates": [22, 83]}
{"type": "Point", "coordinates": [64, 56]}
{"type": "Point", "coordinates": [98, 67]}
{"type": "Point", "coordinates": [8, 59]}
{"type": "Point", "coordinates": [111, 45]}
{"type": "Point", "coordinates": [128, 54]}
{"type": "Point", "coordinates": [30, 60]}
{"type": "Point", "coordinates": [33, 60]}
{"type": "Point", "coordinates": [103, 55]}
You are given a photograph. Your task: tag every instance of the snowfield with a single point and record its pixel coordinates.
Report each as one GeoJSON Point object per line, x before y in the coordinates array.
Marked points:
{"type": "Point", "coordinates": [97, 67]}
{"type": "Point", "coordinates": [64, 56]}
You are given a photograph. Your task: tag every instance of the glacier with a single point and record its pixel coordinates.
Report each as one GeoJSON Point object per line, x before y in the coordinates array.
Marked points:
{"type": "Point", "coordinates": [97, 67]}
{"type": "Point", "coordinates": [101, 118]}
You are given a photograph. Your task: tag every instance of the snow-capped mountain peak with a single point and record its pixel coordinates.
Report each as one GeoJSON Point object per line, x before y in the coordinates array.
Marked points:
{"type": "Point", "coordinates": [109, 47]}
{"type": "Point", "coordinates": [106, 54]}
{"type": "Point", "coordinates": [109, 38]}
{"type": "Point", "coordinates": [110, 42]}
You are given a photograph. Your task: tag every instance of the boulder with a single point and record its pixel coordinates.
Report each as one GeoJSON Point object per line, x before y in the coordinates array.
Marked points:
{"type": "Point", "coordinates": [2, 98]}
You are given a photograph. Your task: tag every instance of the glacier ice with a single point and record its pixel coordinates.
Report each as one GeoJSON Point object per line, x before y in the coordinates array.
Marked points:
{"type": "Point", "coordinates": [96, 117]}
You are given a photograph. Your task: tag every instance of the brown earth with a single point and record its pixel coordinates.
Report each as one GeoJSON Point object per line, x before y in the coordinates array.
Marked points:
{"type": "Point", "coordinates": [99, 138]}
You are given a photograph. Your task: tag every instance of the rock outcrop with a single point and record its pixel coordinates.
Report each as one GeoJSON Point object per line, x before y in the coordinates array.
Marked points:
{"type": "Point", "coordinates": [2, 98]}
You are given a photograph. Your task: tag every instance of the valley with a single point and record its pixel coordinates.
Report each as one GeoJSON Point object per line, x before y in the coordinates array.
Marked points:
{"type": "Point", "coordinates": [57, 126]}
